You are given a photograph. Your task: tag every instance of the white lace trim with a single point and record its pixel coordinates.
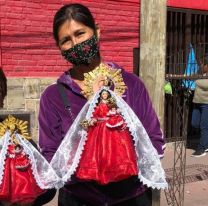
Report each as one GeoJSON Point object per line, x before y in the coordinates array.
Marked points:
{"type": "Point", "coordinates": [3, 152]}
{"type": "Point", "coordinates": [22, 166]}
{"type": "Point", "coordinates": [151, 184]}
{"type": "Point", "coordinates": [114, 125]}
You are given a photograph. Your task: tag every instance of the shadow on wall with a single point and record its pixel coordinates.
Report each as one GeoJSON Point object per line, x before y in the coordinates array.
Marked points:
{"type": "Point", "coordinates": [3, 87]}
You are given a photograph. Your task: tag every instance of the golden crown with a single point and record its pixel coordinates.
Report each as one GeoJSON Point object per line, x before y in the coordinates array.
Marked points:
{"type": "Point", "coordinates": [14, 125]}
{"type": "Point", "coordinates": [110, 75]}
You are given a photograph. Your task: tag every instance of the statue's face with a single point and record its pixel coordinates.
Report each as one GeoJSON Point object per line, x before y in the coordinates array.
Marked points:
{"type": "Point", "coordinates": [104, 95]}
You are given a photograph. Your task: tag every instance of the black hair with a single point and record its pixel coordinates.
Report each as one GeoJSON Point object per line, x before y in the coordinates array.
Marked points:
{"type": "Point", "coordinates": [112, 104]}
{"type": "Point", "coordinates": [202, 60]}
{"type": "Point", "coordinates": [3, 87]}
{"type": "Point", "coordinates": [103, 90]}
{"type": "Point", "coordinates": [205, 59]}
{"type": "Point", "coordinates": [77, 12]}
{"type": "Point", "coordinates": [18, 146]}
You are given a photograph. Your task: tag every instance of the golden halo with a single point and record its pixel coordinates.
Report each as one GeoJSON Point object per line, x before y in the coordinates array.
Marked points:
{"type": "Point", "coordinates": [13, 124]}
{"type": "Point", "coordinates": [109, 74]}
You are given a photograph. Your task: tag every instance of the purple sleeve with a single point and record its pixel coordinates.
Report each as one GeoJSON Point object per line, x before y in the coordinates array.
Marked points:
{"type": "Point", "coordinates": [49, 127]}
{"type": "Point", "coordinates": [146, 113]}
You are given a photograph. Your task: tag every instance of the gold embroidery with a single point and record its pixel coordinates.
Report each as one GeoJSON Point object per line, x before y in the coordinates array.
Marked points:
{"type": "Point", "coordinates": [109, 74]}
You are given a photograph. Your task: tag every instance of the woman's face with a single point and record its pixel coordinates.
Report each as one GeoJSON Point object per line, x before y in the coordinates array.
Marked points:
{"type": "Point", "coordinates": [205, 68]}
{"type": "Point", "coordinates": [72, 33]}
{"type": "Point", "coordinates": [104, 95]}
{"type": "Point", "coordinates": [113, 109]}
{"type": "Point", "coordinates": [18, 148]}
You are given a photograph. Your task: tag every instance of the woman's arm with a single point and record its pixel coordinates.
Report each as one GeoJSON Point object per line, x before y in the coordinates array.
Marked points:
{"type": "Point", "coordinates": [50, 135]}
{"type": "Point", "coordinates": [144, 110]}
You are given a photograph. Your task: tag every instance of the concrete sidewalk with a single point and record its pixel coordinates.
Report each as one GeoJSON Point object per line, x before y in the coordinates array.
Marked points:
{"type": "Point", "coordinates": [196, 188]}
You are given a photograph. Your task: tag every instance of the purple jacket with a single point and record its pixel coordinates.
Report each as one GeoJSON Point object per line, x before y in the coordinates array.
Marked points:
{"type": "Point", "coordinates": [55, 120]}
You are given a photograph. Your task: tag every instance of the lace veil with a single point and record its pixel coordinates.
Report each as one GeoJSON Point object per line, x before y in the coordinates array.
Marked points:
{"type": "Point", "coordinates": [66, 158]}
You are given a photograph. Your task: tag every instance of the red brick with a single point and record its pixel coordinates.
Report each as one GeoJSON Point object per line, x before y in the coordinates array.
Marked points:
{"type": "Point", "coordinates": [17, 57]}
{"type": "Point", "coordinates": [12, 15]}
{"type": "Point", "coordinates": [27, 34]}
{"type": "Point", "coordinates": [14, 28]}
{"type": "Point", "coordinates": [14, 3]}
{"type": "Point", "coordinates": [36, 51]}
{"type": "Point", "coordinates": [27, 62]}
{"type": "Point", "coordinates": [33, 5]}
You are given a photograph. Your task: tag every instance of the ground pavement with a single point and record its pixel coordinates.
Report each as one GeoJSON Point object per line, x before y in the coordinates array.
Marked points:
{"type": "Point", "coordinates": [196, 187]}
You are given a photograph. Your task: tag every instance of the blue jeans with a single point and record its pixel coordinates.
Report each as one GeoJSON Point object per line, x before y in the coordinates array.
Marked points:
{"type": "Point", "coordinates": [200, 120]}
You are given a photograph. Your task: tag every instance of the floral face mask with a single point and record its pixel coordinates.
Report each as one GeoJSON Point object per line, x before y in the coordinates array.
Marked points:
{"type": "Point", "coordinates": [83, 52]}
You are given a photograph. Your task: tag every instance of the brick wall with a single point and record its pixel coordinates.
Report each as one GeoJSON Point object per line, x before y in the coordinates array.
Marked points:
{"type": "Point", "coordinates": [27, 46]}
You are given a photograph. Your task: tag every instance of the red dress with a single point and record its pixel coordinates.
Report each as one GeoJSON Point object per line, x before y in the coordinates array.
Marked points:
{"type": "Point", "coordinates": [18, 184]}
{"type": "Point", "coordinates": [109, 154]}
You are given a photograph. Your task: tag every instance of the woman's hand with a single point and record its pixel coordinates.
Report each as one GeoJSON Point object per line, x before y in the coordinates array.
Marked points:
{"type": "Point", "coordinates": [100, 82]}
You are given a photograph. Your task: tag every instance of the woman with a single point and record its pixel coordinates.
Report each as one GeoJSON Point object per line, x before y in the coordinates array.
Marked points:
{"type": "Point", "coordinates": [200, 110]}
{"type": "Point", "coordinates": [77, 37]}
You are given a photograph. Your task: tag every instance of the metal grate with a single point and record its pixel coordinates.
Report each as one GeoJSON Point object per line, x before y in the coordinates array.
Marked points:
{"type": "Point", "coordinates": [194, 173]}
{"type": "Point", "coordinates": [186, 30]}
{"type": "Point", "coordinates": [184, 27]}
{"type": "Point", "coordinates": [175, 192]}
